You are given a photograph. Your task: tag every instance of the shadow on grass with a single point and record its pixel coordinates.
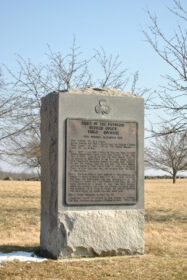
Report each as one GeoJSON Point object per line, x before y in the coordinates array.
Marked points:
{"type": "Point", "coordinates": [35, 250]}
{"type": "Point", "coordinates": [164, 215]}
{"type": "Point", "coordinates": [13, 248]}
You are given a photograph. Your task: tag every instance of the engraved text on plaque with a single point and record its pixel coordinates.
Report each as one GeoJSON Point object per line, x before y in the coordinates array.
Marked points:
{"type": "Point", "coordinates": [101, 162]}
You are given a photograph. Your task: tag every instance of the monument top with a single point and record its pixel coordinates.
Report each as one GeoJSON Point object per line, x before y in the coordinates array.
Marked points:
{"type": "Point", "coordinates": [99, 91]}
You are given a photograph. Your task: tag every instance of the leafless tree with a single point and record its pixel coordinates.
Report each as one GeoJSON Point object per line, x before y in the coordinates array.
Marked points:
{"type": "Point", "coordinates": [173, 50]}
{"type": "Point", "coordinates": [8, 103]}
{"type": "Point", "coordinates": [21, 132]}
{"type": "Point", "coordinates": [31, 82]}
{"type": "Point", "coordinates": [115, 76]}
{"type": "Point", "coordinates": [25, 150]}
{"type": "Point", "coordinates": [168, 152]}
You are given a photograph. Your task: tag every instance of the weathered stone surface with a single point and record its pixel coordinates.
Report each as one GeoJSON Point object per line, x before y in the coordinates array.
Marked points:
{"type": "Point", "coordinates": [101, 233]}
{"type": "Point", "coordinates": [49, 179]}
{"type": "Point", "coordinates": [86, 230]}
{"type": "Point", "coordinates": [99, 91]}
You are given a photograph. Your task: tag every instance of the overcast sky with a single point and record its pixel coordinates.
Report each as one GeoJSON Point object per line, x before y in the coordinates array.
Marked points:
{"type": "Point", "coordinates": [26, 27]}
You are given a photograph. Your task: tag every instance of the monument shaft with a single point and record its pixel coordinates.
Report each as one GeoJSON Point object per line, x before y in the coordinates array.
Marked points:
{"type": "Point", "coordinates": [92, 176]}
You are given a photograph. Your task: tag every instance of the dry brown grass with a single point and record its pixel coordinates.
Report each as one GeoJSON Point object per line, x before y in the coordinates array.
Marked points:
{"type": "Point", "coordinates": [164, 259]}
{"type": "Point", "coordinates": [19, 213]}
{"type": "Point", "coordinates": [166, 217]}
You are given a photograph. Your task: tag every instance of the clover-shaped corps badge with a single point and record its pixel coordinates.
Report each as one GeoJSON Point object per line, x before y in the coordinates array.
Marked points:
{"type": "Point", "coordinates": [102, 107]}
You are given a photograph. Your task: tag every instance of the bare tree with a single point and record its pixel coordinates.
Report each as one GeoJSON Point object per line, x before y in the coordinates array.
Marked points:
{"type": "Point", "coordinates": [31, 82]}
{"type": "Point", "coordinates": [8, 104]}
{"type": "Point", "coordinates": [113, 76]}
{"type": "Point", "coordinates": [173, 50]}
{"type": "Point", "coordinates": [21, 131]}
{"type": "Point", "coordinates": [168, 153]}
{"type": "Point", "coordinates": [25, 150]}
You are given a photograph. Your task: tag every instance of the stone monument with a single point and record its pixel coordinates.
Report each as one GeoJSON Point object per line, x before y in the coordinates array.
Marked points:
{"type": "Point", "coordinates": [92, 174]}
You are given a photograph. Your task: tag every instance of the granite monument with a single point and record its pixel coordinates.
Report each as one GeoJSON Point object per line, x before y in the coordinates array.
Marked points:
{"type": "Point", "coordinates": [92, 173]}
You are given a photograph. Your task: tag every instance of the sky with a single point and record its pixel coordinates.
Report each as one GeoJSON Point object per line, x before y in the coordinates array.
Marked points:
{"type": "Point", "coordinates": [27, 27]}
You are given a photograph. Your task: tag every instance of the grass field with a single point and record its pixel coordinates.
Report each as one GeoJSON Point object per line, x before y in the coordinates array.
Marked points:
{"type": "Point", "coordinates": [165, 237]}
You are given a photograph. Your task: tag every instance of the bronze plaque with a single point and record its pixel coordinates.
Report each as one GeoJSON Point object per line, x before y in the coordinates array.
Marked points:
{"type": "Point", "coordinates": [101, 162]}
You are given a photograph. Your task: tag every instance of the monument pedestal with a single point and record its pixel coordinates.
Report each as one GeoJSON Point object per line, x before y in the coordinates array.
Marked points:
{"type": "Point", "coordinates": [97, 233]}
{"type": "Point", "coordinates": [101, 233]}
{"type": "Point", "coordinates": [92, 197]}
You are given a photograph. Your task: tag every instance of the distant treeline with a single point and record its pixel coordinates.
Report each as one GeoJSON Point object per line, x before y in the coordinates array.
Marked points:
{"type": "Point", "coordinates": [4, 175]}
{"type": "Point", "coordinates": [164, 177]}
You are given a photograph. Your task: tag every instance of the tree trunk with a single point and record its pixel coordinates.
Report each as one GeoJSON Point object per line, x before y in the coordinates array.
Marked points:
{"type": "Point", "coordinates": [174, 177]}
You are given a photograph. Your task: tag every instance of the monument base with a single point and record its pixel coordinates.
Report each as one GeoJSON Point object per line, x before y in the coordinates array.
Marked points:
{"type": "Point", "coordinates": [96, 233]}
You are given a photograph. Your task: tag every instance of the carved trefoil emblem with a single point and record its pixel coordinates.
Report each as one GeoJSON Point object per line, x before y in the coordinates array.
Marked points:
{"type": "Point", "coordinates": [102, 107]}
